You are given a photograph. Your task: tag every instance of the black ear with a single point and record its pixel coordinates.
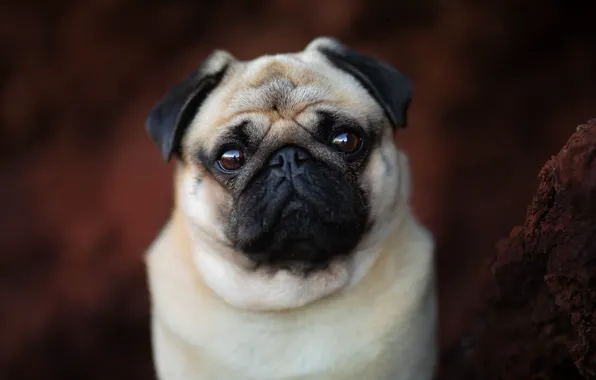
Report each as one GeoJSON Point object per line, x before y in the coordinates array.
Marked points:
{"type": "Point", "coordinates": [171, 116]}
{"type": "Point", "coordinates": [390, 88]}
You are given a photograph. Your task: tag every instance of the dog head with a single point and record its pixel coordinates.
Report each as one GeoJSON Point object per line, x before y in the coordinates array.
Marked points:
{"type": "Point", "coordinates": [288, 172]}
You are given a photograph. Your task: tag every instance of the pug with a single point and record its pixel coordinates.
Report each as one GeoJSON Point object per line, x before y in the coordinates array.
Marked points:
{"type": "Point", "coordinates": [292, 251]}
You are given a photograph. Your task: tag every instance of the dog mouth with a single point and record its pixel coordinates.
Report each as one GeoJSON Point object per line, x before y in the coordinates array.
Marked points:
{"type": "Point", "coordinates": [297, 267]}
{"type": "Point", "coordinates": [300, 257]}
{"type": "Point", "coordinates": [300, 223]}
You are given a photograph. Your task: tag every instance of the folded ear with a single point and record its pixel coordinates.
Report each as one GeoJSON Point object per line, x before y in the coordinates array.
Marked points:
{"type": "Point", "coordinates": [171, 116]}
{"type": "Point", "coordinates": [390, 88]}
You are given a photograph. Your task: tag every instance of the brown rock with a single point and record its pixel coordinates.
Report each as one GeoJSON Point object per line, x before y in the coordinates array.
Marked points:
{"type": "Point", "coordinates": [540, 322]}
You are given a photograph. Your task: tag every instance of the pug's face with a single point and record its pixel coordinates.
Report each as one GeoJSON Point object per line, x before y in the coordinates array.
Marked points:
{"type": "Point", "coordinates": [287, 164]}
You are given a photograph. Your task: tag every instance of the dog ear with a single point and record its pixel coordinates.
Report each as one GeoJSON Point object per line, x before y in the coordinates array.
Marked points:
{"type": "Point", "coordinates": [390, 88]}
{"type": "Point", "coordinates": [171, 116]}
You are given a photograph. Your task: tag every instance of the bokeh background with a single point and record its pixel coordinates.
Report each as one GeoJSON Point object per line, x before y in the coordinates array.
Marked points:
{"type": "Point", "coordinates": [499, 87]}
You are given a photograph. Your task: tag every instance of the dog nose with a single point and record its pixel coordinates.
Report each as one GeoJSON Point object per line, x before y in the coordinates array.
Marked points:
{"type": "Point", "coordinates": [289, 158]}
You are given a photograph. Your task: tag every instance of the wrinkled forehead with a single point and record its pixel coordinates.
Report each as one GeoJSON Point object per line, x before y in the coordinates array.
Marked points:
{"type": "Point", "coordinates": [273, 89]}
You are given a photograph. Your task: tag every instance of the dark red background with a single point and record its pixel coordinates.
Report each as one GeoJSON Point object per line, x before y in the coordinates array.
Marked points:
{"type": "Point", "coordinates": [499, 87]}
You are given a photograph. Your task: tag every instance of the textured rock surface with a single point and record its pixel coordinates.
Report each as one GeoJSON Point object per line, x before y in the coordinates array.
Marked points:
{"type": "Point", "coordinates": [540, 323]}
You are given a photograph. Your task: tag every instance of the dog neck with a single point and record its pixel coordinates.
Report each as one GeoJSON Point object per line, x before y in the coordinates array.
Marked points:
{"type": "Point", "coordinates": [396, 287]}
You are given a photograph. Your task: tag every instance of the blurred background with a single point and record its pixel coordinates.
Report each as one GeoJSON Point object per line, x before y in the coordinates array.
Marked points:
{"type": "Point", "coordinates": [499, 87]}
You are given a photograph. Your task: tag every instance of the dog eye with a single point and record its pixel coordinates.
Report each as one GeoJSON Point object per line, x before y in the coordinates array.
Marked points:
{"type": "Point", "coordinates": [347, 142]}
{"type": "Point", "coordinates": [231, 160]}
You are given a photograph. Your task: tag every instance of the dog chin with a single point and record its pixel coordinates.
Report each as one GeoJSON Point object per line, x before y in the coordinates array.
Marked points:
{"type": "Point", "coordinates": [269, 288]}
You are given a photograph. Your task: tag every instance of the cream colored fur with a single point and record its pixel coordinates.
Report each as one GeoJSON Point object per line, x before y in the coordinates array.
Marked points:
{"type": "Point", "coordinates": [369, 317]}
{"type": "Point", "coordinates": [382, 328]}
